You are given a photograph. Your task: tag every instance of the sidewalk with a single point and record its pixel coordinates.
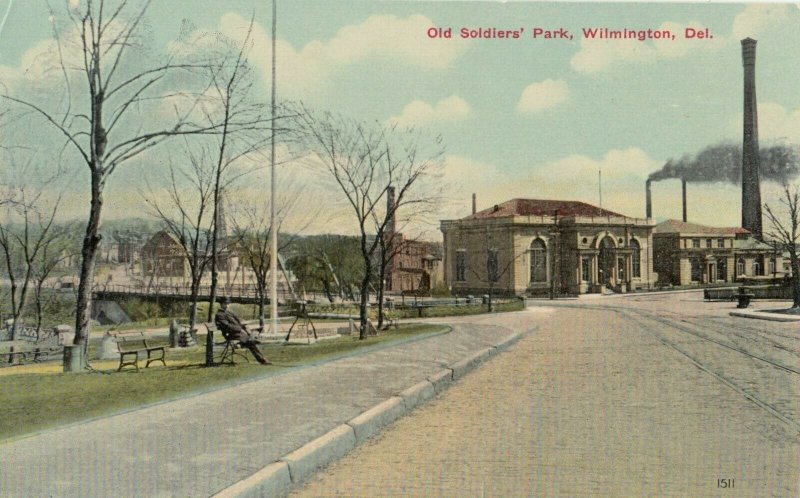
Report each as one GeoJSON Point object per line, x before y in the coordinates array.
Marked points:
{"type": "Point", "coordinates": [201, 445]}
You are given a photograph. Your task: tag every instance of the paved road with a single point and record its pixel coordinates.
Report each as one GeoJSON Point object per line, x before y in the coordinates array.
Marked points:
{"type": "Point", "coordinates": [609, 397]}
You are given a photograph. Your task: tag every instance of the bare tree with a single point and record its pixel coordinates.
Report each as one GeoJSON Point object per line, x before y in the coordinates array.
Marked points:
{"type": "Point", "coordinates": [365, 162]}
{"type": "Point", "coordinates": [112, 130]}
{"type": "Point", "coordinates": [253, 232]}
{"type": "Point", "coordinates": [26, 236]}
{"type": "Point", "coordinates": [186, 214]}
{"type": "Point", "coordinates": [785, 229]}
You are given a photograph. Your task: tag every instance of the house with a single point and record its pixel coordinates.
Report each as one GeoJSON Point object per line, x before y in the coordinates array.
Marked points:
{"type": "Point", "coordinates": [534, 247]}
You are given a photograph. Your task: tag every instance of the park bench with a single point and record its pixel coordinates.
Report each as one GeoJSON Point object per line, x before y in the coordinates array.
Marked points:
{"type": "Point", "coordinates": [36, 355]}
{"type": "Point", "coordinates": [230, 348]}
{"type": "Point", "coordinates": [130, 344]}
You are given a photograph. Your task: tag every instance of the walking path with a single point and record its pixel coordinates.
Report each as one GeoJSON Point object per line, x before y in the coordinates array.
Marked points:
{"type": "Point", "coordinates": [201, 445]}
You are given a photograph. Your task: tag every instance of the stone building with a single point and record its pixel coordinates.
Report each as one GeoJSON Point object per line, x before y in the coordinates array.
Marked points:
{"type": "Point", "coordinates": [688, 253]}
{"type": "Point", "coordinates": [534, 247]}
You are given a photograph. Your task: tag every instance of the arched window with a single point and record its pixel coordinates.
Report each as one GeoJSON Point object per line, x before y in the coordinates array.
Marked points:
{"type": "Point", "coordinates": [740, 267]}
{"type": "Point", "coordinates": [758, 266]}
{"type": "Point", "coordinates": [538, 261]}
{"type": "Point", "coordinates": [636, 259]}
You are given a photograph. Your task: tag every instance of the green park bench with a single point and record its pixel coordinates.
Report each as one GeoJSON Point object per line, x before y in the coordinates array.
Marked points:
{"type": "Point", "coordinates": [130, 344]}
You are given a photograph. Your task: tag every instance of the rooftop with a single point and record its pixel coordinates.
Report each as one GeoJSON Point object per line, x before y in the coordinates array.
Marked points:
{"type": "Point", "coordinates": [675, 226]}
{"type": "Point", "coordinates": [541, 207]}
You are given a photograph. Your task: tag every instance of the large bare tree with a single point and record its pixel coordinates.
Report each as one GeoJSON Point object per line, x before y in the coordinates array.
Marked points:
{"type": "Point", "coordinates": [785, 229]}
{"type": "Point", "coordinates": [186, 213]}
{"type": "Point", "coordinates": [108, 116]}
{"type": "Point", "coordinates": [366, 161]}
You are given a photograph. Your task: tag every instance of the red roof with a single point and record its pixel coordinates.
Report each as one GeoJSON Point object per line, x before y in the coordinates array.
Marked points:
{"type": "Point", "coordinates": [675, 226]}
{"type": "Point", "coordinates": [541, 207]}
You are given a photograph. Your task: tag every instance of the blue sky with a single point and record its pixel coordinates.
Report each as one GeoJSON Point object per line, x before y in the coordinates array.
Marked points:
{"type": "Point", "coordinates": [520, 118]}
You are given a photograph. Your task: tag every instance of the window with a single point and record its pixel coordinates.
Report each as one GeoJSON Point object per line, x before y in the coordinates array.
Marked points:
{"type": "Point", "coordinates": [538, 261]}
{"type": "Point", "coordinates": [720, 242]}
{"type": "Point", "coordinates": [492, 274]}
{"type": "Point", "coordinates": [696, 243]}
{"type": "Point", "coordinates": [461, 265]}
{"type": "Point", "coordinates": [740, 266]}
{"type": "Point", "coordinates": [708, 243]}
{"type": "Point", "coordinates": [636, 259]}
{"type": "Point", "coordinates": [771, 270]}
{"type": "Point", "coordinates": [697, 270]}
{"type": "Point", "coordinates": [758, 266]}
{"type": "Point", "coordinates": [722, 270]}
{"type": "Point", "coordinates": [585, 269]}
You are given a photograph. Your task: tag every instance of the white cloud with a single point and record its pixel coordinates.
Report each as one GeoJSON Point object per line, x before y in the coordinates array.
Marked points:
{"type": "Point", "coordinates": [755, 17]}
{"type": "Point", "coordinates": [597, 55]}
{"type": "Point", "coordinates": [775, 123]}
{"type": "Point", "coordinates": [418, 112]}
{"type": "Point", "coordinates": [379, 37]}
{"type": "Point", "coordinates": [543, 95]}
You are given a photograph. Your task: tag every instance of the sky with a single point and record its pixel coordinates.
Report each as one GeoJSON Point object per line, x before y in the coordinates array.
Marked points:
{"type": "Point", "coordinates": [533, 117]}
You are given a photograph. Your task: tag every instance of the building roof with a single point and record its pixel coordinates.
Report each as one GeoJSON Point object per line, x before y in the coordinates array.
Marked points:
{"type": "Point", "coordinates": [541, 207]}
{"type": "Point", "coordinates": [675, 226]}
{"type": "Point", "coordinates": [751, 244]}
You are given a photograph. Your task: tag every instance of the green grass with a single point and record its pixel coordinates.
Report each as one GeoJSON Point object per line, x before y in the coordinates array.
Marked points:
{"type": "Point", "coordinates": [41, 398]}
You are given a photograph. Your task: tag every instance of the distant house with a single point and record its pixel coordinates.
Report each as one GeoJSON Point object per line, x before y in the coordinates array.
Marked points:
{"type": "Point", "coordinates": [163, 256]}
{"type": "Point", "coordinates": [688, 253]}
{"type": "Point", "coordinates": [535, 246]}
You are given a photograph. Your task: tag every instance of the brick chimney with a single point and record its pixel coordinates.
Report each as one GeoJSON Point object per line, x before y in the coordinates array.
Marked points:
{"type": "Point", "coordinates": [648, 199]}
{"type": "Point", "coordinates": [751, 187]}
{"type": "Point", "coordinates": [683, 194]}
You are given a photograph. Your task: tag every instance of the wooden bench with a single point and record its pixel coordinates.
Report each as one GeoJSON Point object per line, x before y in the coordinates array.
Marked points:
{"type": "Point", "coordinates": [130, 344]}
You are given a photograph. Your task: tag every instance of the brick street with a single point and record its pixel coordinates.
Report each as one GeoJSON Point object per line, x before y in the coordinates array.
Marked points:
{"type": "Point", "coordinates": [609, 397]}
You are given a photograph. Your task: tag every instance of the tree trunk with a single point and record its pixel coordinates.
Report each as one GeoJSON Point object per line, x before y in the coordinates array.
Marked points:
{"type": "Point", "coordinates": [362, 307]}
{"type": "Point", "coordinates": [91, 241]}
{"type": "Point", "coordinates": [795, 280]}
{"type": "Point", "coordinates": [381, 278]}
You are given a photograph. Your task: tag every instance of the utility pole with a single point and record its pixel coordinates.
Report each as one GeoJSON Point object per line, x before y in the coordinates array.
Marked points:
{"type": "Point", "coordinates": [273, 260]}
{"type": "Point", "coordinates": [554, 252]}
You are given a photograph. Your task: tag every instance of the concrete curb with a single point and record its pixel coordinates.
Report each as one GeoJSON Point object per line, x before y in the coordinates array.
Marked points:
{"type": "Point", "coordinates": [305, 460]}
{"type": "Point", "coordinates": [765, 315]}
{"type": "Point", "coordinates": [277, 478]}
{"type": "Point", "coordinates": [272, 480]}
{"type": "Point", "coordinates": [373, 420]}
{"type": "Point", "coordinates": [417, 394]}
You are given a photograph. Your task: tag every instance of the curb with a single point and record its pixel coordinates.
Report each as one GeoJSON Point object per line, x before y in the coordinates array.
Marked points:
{"type": "Point", "coordinates": [278, 477]}
{"type": "Point", "coordinates": [765, 315]}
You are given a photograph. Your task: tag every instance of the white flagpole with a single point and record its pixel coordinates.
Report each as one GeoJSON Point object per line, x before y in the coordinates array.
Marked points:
{"type": "Point", "coordinates": [273, 263]}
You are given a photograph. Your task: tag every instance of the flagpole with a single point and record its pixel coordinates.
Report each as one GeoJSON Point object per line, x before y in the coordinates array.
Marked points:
{"type": "Point", "coordinates": [273, 263]}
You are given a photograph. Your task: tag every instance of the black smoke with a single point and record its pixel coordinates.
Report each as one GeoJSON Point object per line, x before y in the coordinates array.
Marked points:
{"type": "Point", "coordinates": [723, 163]}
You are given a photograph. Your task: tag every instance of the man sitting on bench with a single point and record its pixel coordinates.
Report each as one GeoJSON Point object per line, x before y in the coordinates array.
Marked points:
{"type": "Point", "coordinates": [234, 330]}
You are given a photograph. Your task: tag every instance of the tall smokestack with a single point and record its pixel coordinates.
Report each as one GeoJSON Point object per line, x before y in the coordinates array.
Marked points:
{"type": "Point", "coordinates": [648, 199]}
{"type": "Point", "coordinates": [751, 187]}
{"type": "Point", "coordinates": [474, 204]}
{"type": "Point", "coordinates": [683, 191]}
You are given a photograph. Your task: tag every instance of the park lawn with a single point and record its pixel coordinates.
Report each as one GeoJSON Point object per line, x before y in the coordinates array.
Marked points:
{"type": "Point", "coordinates": [39, 396]}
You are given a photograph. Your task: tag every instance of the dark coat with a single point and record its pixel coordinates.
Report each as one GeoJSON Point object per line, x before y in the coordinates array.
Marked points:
{"type": "Point", "coordinates": [231, 327]}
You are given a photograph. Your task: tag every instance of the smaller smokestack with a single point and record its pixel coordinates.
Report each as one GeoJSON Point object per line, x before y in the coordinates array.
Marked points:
{"type": "Point", "coordinates": [474, 204]}
{"type": "Point", "coordinates": [648, 199]}
{"type": "Point", "coordinates": [683, 189]}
